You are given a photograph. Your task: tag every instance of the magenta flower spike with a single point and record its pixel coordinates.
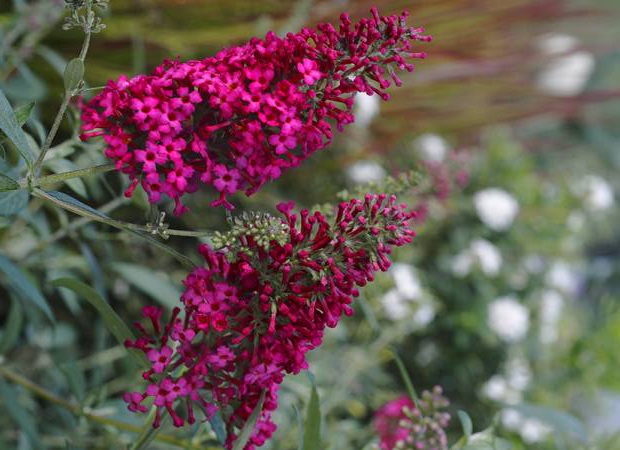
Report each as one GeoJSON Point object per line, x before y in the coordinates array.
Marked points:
{"type": "Point", "coordinates": [238, 119]}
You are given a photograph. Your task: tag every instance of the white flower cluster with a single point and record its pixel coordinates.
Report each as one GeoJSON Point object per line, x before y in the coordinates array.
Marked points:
{"type": "Point", "coordinates": [397, 303]}
{"type": "Point", "coordinates": [568, 69]}
{"type": "Point", "coordinates": [480, 253]}
{"type": "Point", "coordinates": [496, 208]}
{"type": "Point", "coordinates": [366, 108]}
{"type": "Point", "coordinates": [508, 319]}
{"type": "Point", "coordinates": [363, 172]}
{"type": "Point", "coordinates": [597, 193]}
{"type": "Point", "coordinates": [431, 147]}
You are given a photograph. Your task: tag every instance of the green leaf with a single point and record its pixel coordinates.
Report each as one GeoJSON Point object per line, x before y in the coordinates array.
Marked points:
{"type": "Point", "coordinates": [64, 165]}
{"type": "Point", "coordinates": [12, 327]}
{"type": "Point", "coordinates": [76, 203]}
{"type": "Point", "coordinates": [562, 422]}
{"type": "Point", "coordinates": [466, 423]}
{"type": "Point", "coordinates": [24, 287]}
{"type": "Point", "coordinates": [22, 418]}
{"type": "Point", "coordinates": [113, 322]}
{"type": "Point", "coordinates": [154, 284]}
{"type": "Point", "coordinates": [312, 427]}
{"type": "Point", "coordinates": [148, 433]}
{"type": "Point", "coordinates": [486, 440]}
{"type": "Point", "coordinates": [13, 130]}
{"type": "Point", "coordinates": [22, 114]}
{"type": "Point", "coordinates": [74, 72]}
{"type": "Point", "coordinates": [248, 428]}
{"type": "Point", "coordinates": [13, 202]}
{"type": "Point", "coordinates": [7, 183]}
{"type": "Point", "coordinates": [218, 427]}
{"type": "Point", "coordinates": [75, 378]}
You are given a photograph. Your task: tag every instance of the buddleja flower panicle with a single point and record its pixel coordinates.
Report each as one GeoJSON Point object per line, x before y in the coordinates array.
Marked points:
{"type": "Point", "coordinates": [253, 312]}
{"type": "Point", "coordinates": [239, 119]}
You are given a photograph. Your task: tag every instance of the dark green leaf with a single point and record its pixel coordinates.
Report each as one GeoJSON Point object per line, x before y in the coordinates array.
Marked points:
{"type": "Point", "coordinates": [312, 427]}
{"type": "Point", "coordinates": [24, 287]}
{"type": "Point", "coordinates": [465, 423]}
{"type": "Point", "coordinates": [75, 203]}
{"type": "Point", "coordinates": [248, 428]}
{"type": "Point", "coordinates": [22, 418]}
{"type": "Point", "coordinates": [74, 72]}
{"type": "Point", "coordinates": [154, 284]}
{"type": "Point", "coordinates": [12, 327]}
{"type": "Point", "coordinates": [113, 322]}
{"type": "Point", "coordinates": [13, 130]}
{"type": "Point", "coordinates": [8, 183]}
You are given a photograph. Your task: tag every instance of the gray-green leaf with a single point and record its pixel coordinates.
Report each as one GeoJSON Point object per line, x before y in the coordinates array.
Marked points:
{"type": "Point", "coordinates": [155, 285]}
{"type": "Point", "coordinates": [13, 408]}
{"type": "Point", "coordinates": [113, 322]}
{"type": "Point", "coordinates": [13, 130]}
{"type": "Point", "coordinates": [248, 428]}
{"type": "Point", "coordinates": [8, 183]}
{"type": "Point", "coordinates": [24, 287]}
{"type": "Point", "coordinates": [74, 72]}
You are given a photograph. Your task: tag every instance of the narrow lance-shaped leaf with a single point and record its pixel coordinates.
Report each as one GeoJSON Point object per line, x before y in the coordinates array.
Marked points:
{"type": "Point", "coordinates": [22, 114]}
{"type": "Point", "coordinates": [20, 415]}
{"type": "Point", "coordinates": [113, 322]}
{"type": "Point", "coordinates": [74, 72]}
{"type": "Point", "coordinates": [312, 428]}
{"type": "Point", "coordinates": [155, 285]}
{"type": "Point", "coordinates": [7, 183]}
{"type": "Point", "coordinates": [248, 428]}
{"type": "Point", "coordinates": [12, 326]}
{"type": "Point", "coordinates": [12, 129]}
{"type": "Point", "coordinates": [24, 287]}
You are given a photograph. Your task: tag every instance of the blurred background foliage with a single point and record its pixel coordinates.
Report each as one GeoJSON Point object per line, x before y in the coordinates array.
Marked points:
{"type": "Point", "coordinates": [519, 323]}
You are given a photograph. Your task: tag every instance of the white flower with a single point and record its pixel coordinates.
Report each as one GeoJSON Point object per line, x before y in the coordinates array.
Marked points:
{"type": "Point", "coordinates": [508, 318]}
{"type": "Point", "coordinates": [575, 221]}
{"type": "Point", "coordinates": [431, 147]}
{"type": "Point", "coordinates": [598, 195]}
{"type": "Point", "coordinates": [480, 252]}
{"type": "Point", "coordinates": [496, 208]}
{"type": "Point", "coordinates": [511, 419]}
{"type": "Point", "coordinates": [563, 278]}
{"type": "Point", "coordinates": [519, 374]}
{"type": "Point", "coordinates": [366, 109]}
{"type": "Point", "coordinates": [566, 73]}
{"type": "Point", "coordinates": [551, 305]}
{"type": "Point", "coordinates": [487, 255]}
{"type": "Point", "coordinates": [495, 388]}
{"type": "Point", "coordinates": [395, 306]}
{"type": "Point", "coordinates": [533, 430]}
{"type": "Point", "coordinates": [365, 172]}
{"type": "Point", "coordinates": [407, 283]}
{"type": "Point", "coordinates": [424, 314]}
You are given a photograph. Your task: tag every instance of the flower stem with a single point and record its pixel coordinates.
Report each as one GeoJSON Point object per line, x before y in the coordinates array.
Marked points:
{"type": "Point", "coordinates": [68, 95]}
{"type": "Point", "coordinates": [58, 177]}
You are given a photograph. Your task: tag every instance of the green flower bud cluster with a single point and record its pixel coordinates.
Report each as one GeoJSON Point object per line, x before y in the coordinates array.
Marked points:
{"type": "Point", "coordinates": [426, 423]}
{"type": "Point", "coordinates": [83, 15]}
{"type": "Point", "coordinates": [262, 228]}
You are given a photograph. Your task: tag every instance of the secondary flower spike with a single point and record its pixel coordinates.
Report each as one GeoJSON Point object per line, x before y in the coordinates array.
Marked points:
{"type": "Point", "coordinates": [256, 309]}
{"type": "Point", "coordinates": [238, 119]}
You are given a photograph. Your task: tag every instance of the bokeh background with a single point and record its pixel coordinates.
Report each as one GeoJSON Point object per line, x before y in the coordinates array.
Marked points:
{"type": "Point", "coordinates": [509, 296]}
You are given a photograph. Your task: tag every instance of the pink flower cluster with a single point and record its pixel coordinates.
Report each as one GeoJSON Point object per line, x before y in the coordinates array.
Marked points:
{"type": "Point", "coordinates": [401, 424]}
{"type": "Point", "coordinates": [239, 119]}
{"type": "Point", "coordinates": [250, 317]}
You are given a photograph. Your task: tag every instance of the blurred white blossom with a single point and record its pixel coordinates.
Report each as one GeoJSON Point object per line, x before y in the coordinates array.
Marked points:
{"type": "Point", "coordinates": [395, 305]}
{"type": "Point", "coordinates": [563, 277]}
{"type": "Point", "coordinates": [431, 147]}
{"type": "Point", "coordinates": [366, 109]}
{"type": "Point", "coordinates": [551, 305]}
{"type": "Point", "coordinates": [597, 193]}
{"type": "Point", "coordinates": [407, 282]}
{"type": "Point", "coordinates": [480, 252]}
{"type": "Point", "coordinates": [424, 314]}
{"type": "Point", "coordinates": [496, 208]}
{"type": "Point", "coordinates": [495, 388]}
{"type": "Point", "coordinates": [365, 172]}
{"type": "Point", "coordinates": [508, 318]}
{"type": "Point", "coordinates": [518, 373]}
{"type": "Point", "coordinates": [533, 430]}
{"type": "Point", "coordinates": [567, 71]}
{"type": "Point", "coordinates": [511, 419]}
